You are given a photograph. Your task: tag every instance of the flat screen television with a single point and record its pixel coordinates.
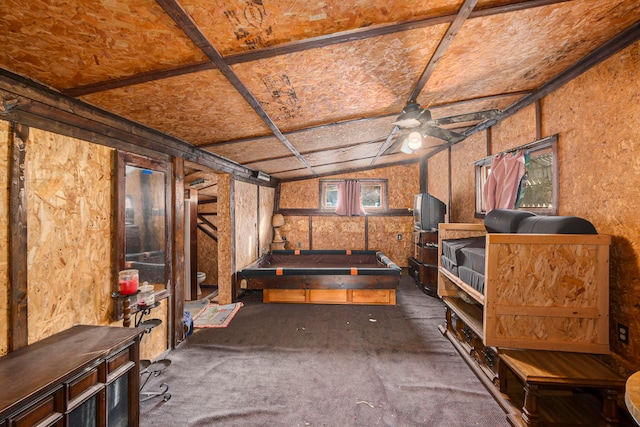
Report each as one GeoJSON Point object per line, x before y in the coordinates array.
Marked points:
{"type": "Point", "coordinates": [428, 212]}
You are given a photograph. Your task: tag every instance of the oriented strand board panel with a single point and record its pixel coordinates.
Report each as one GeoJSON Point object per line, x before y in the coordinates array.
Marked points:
{"type": "Point", "coordinates": [70, 44]}
{"type": "Point", "coordinates": [340, 232]}
{"type": "Point", "coordinates": [253, 149]}
{"type": "Point", "coordinates": [296, 232]}
{"type": "Point", "coordinates": [69, 239]}
{"type": "Point", "coordinates": [463, 155]}
{"type": "Point", "coordinates": [560, 298]}
{"type": "Point", "coordinates": [225, 249]}
{"type": "Point", "coordinates": [246, 223]}
{"type": "Point", "coordinates": [300, 194]}
{"type": "Point", "coordinates": [342, 81]}
{"type": "Point", "coordinates": [438, 178]}
{"type": "Point", "coordinates": [383, 236]}
{"type": "Point", "coordinates": [514, 131]}
{"type": "Point", "coordinates": [240, 25]}
{"type": "Point", "coordinates": [499, 56]}
{"type": "Point", "coordinates": [598, 118]}
{"type": "Point", "coordinates": [266, 206]}
{"type": "Point", "coordinates": [4, 235]}
{"type": "Point", "coordinates": [201, 106]}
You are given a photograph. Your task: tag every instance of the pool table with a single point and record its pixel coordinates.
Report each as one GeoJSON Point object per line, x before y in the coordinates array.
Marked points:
{"type": "Point", "coordinates": [324, 277]}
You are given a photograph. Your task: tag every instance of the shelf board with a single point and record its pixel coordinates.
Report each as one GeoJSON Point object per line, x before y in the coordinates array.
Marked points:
{"type": "Point", "coordinates": [470, 314]}
{"type": "Point", "coordinates": [468, 289]}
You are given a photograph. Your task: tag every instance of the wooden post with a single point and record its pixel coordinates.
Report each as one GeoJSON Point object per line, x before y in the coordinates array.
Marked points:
{"type": "Point", "coordinates": [18, 305]}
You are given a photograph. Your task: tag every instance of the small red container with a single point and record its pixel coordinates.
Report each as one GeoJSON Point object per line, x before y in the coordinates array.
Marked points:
{"type": "Point", "coordinates": [128, 281]}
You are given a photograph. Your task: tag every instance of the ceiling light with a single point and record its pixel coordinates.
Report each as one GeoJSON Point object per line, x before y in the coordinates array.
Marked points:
{"type": "Point", "coordinates": [263, 176]}
{"type": "Point", "coordinates": [414, 140]}
{"type": "Point", "coordinates": [405, 147]}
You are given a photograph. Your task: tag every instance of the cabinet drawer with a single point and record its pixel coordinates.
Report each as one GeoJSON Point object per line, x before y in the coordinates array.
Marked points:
{"type": "Point", "coordinates": [428, 255]}
{"type": "Point", "coordinates": [83, 383]}
{"type": "Point", "coordinates": [118, 360]}
{"type": "Point", "coordinates": [46, 412]}
{"type": "Point", "coordinates": [428, 275]}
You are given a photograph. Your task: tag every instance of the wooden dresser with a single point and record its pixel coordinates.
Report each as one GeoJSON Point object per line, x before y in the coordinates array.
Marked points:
{"type": "Point", "coordinates": [424, 264]}
{"type": "Point", "coordinates": [86, 375]}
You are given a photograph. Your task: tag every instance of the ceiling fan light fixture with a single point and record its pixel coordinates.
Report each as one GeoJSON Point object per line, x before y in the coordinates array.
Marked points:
{"type": "Point", "coordinates": [414, 140]}
{"type": "Point", "coordinates": [405, 147]}
{"type": "Point", "coordinates": [409, 116]}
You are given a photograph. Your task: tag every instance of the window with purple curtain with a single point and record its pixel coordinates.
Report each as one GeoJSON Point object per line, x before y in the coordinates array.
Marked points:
{"type": "Point", "coordinates": [349, 198]}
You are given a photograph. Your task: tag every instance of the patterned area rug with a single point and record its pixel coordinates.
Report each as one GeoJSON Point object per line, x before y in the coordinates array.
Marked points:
{"type": "Point", "coordinates": [216, 316]}
{"type": "Point", "coordinates": [196, 307]}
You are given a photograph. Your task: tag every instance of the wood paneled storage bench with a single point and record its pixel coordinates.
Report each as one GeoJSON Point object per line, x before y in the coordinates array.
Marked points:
{"type": "Point", "coordinates": [524, 288]}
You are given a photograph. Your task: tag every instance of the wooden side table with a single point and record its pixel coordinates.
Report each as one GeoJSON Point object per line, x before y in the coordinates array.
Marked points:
{"type": "Point", "coordinates": [539, 369]}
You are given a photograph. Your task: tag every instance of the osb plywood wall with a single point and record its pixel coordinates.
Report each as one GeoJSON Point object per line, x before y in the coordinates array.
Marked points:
{"type": "Point", "coordinates": [296, 232]}
{"type": "Point", "coordinates": [69, 233]}
{"type": "Point", "coordinates": [225, 267]}
{"type": "Point", "coordinates": [300, 194]}
{"type": "Point", "coordinates": [266, 206]}
{"type": "Point", "coordinates": [517, 130]}
{"type": "Point", "coordinates": [335, 232]}
{"type": "Point", "coordinates": [4, 236]}
{"type": "Point", "coordinates": [207, 247]}
{"type": "Point", "coordinates": [342, 232]}
{"type": "Point", "coordinates": [462, 205]}
{"type": "Point", "coordinates": [438, 178]}
{"type": "Point", "coordinates": [246, 223]}
{"type": "Point", "coordinates": [597, 118]}
{"type": "Point", "coordinates": [383, 235]}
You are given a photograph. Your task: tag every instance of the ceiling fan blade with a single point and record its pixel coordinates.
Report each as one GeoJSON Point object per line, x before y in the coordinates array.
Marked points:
{"type": "Point", "coordinates": [443, 134]}
{"type": "Point", "coordinates": [395, 144]}
{"type": "Point", "coordinates": [468, 117]}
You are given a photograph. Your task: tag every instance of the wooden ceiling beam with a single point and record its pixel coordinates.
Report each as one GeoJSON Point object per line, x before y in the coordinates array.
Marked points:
{"type": "Point", "coordinates": [186, 23]}
{"type": "Point", "coordinates": [302, 45]}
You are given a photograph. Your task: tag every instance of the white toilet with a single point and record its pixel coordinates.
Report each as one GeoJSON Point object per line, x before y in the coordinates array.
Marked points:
{"type": "Point", "coordinates": [201, 277]}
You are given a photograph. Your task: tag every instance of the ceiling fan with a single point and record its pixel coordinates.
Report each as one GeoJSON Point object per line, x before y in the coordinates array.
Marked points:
{"type": "Point", "coordinates": [417, 128]}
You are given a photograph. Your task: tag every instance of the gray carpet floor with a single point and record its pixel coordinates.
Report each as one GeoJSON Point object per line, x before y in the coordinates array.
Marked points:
{"type": "Point", "coordinates": [323, 365]}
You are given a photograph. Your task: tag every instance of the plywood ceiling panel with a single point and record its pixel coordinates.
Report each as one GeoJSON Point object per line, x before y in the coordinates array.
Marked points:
{"type": "Point", "coordinates": [342, 134]}
{"type": "Point", "coordinates": [251, 150]}
{"type": "Point", "coordinates": [68, 44]}
{"type": "Point", "coordinates": [339, 82]}
{"type": "Point", "coordinates": [240, 25]}
{"type": "Point", "coordinates": [198, 108]}
{"type": "Point", "coordinates": [522, 50]}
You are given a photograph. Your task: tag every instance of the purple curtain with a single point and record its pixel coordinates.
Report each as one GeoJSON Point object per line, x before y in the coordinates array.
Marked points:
{"type": "Point", "coordinates": [501, 188]}
{"type": "Point", "coordinates": [349, 198]}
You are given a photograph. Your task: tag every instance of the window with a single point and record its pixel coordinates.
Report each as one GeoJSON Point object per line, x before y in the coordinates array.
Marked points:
{"type": "Point", "coordinates": [539, 186]}
{"type": "Point", "coordinates": [373, 192]}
